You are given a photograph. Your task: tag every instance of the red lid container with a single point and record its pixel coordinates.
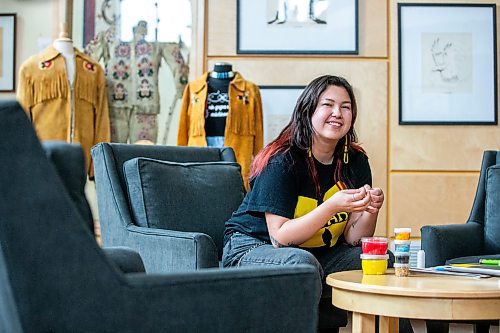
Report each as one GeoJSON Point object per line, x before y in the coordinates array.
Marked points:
{"type": "Point", "coordinates": [374, 245]}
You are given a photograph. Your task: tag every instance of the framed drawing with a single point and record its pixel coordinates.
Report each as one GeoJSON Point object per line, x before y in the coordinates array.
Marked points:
{"type": "Point", "coordinates": [278, 103]}
{"type": "Point", "coordinates": [447, 64]}
{"type": "Point", "coordinates": [7, 52]}
{"type": "Point", "coordinates": [297, 27]}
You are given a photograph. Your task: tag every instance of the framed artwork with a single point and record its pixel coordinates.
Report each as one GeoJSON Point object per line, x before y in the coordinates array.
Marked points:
{"type": "Point", "coordinates": [447, 64]}
{"type": "Point", "coordinates": [297, 27]}
{"type": "Point", "coordinates": [7, 52]}
{"type": "Point", "coordinates": [278, 103]}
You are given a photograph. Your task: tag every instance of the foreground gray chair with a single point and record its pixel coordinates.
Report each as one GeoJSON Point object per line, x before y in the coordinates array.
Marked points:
{"type": "Point", "coordinates": [478, 238]}
{"type": "Point", "coordinates": [54, 277]}
{"type": "Point", "coordinates": [69, 162]}
{"type": "Point", "coordinates": [168, 203]}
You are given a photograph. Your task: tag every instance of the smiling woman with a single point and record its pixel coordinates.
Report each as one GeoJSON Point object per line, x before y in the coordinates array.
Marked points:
{"type": "Point", "coordinates": [310, 198]}
{"type": "Point", "coordinates": [331, 122]}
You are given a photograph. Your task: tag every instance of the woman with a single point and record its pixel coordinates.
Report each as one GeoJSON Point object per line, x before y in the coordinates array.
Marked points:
{"type": "Point", "coordinates": [310, 198]}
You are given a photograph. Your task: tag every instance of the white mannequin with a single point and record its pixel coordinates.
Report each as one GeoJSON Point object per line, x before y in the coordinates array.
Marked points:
{"type": "Point", "coordinates": [64, 44]}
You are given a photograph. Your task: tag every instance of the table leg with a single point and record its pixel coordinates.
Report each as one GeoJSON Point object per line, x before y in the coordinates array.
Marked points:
{"type": "Point", "coordinates": [388, 324]}
{"type": "Point", "coordinates": [363, 323]}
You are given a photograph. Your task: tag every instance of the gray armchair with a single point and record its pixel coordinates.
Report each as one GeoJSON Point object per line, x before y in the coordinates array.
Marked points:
{"type": "Point", "coordinates": [168, 203]}
{"type": "Point", "coordinates": [68, 160]}
{"type": "Point", "coordinates": [55, 278]}
{"type": "Point", "coordinates": [478, 238]}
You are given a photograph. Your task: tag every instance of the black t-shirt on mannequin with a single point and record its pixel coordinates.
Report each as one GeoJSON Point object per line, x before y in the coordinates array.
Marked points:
{"type": "Point", "coordinates": [218, 100]}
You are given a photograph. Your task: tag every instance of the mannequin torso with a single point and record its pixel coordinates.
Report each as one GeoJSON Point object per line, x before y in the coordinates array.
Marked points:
{"type": "Point", "coordinates": [217, 102]}
{"type": "Point", "coordinates": [222, 70]}
{"type": "Point", "coordinates": [65, 46]}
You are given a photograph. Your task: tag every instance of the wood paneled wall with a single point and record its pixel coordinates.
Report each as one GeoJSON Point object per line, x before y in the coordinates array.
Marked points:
{"type": "Point", "coordinates": [433, 170]}
{"type": "Point", "coordinates": [429, 173]}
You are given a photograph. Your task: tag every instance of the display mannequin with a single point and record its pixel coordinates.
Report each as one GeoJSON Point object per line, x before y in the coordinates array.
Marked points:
{"type": "Point", "coordinates": [64, 44]}
{"type": "Point", "coordinates": [217, 103]}
{"type": "Point", "coordinates": [63, 92]}
{"type": "Point", "coordinates": [221, 108]}
{"type": "Point", "coordinates": [132, 81]}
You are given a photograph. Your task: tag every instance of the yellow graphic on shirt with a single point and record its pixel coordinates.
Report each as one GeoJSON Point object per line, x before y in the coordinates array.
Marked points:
{"type": "Point", "coordinates": [333, 229]}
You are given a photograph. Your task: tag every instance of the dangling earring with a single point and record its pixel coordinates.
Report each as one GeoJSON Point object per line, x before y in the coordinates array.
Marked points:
{"type": "Point", "coordinates": [346, 153]}
{"type": "Point", "coordinates": [309, 153]}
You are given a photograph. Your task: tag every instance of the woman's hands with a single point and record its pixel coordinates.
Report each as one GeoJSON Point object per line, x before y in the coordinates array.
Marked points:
{"type": "Point", "coordinates": [362, 222]}
{"type": "Point", "coordinates": [377, 199]}
{"type": "Point", "coordinates": [364, 204]}
{"type": "Point", "coordinates": [362, 199]}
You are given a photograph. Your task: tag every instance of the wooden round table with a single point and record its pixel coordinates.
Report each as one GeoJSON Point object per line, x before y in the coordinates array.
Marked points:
{"type": "Point", "coordinates": [419, 296]}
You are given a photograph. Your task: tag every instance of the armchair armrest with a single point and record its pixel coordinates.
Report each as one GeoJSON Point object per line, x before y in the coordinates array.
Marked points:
{"type": "Point", "coordinates": [169, 251]}
{"type": "Point", "coordinates": [281, 299]}
{"type": "Point", "coordinates": [444, 242]}
{"type": "Point", "coordinates": [126, 259]}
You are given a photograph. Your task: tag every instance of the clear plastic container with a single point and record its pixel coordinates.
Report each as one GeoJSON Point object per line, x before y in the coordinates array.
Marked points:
{"type": "Point", "coordinates": [421, 259]}
{"type": "Point", "coordinates": [401, 270]}
{"type": "Point", "coordinates": [402, 233]}
{"type": "Point", "coordinates": [374, 245]}
{"type": "Point", "coordinates": [373, 264]}
{"type": "Point", "coordinates": [402, 257]}
{"type": "Point", "coordinates": [402, 245]}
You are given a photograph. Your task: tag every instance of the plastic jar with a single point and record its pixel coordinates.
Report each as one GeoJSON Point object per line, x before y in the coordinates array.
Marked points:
{"type": "Point", "coordinates": [374, 245]}
{"type": "Point", "coordinates": [402, 233]}
{"type": "Point", "coordinates": [402, 245]}
{"type": "Point", "coordinates": [402, 257]}
{"type": "Point", "coordinates": [401, 270]}
{"type": "Point", "coordinates": [374, 264]}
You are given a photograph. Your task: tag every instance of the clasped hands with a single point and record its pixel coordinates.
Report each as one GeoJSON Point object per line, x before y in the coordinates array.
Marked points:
{"type": "Point", "coordinates": [364, 198]}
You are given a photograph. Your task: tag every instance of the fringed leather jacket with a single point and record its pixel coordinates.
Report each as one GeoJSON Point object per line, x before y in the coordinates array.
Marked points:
{"type": "Point", "coordinates": [59, 111]}
{"type": "Point", "coordinates": [244, 129]}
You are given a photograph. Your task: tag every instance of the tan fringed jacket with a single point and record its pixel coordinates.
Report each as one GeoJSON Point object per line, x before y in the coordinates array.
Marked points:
{"type": "Point", "coordinates": [244, 132]}
{"type": "Point", "coordinates": [59, 112]}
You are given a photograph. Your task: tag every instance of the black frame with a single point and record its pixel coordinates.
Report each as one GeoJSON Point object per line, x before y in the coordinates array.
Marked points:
{"type": "Point", "coordinates": [401, 74]}
{"type": "Point", "coordinates": [13, 88]}
{"type": "Point", "coordinates": [355, 51]}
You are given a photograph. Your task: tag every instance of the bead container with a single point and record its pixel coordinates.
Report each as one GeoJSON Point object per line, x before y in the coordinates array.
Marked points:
{"type": "Point", "coordinates": [374, 245]}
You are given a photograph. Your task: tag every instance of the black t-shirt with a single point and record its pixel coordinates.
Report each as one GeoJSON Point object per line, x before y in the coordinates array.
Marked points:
{"type": "Point", "coordinates": [285, 188]}
{"type": "Point", "coordinates": [217, 106]}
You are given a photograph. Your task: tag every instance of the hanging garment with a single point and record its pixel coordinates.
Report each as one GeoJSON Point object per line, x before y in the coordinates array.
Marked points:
{"type": "Point", "coordinates": [132, 70]}
{"type": "Point", "coordinates": [58, 110]}
{"type": "Point", "coordinates": [244, 129]}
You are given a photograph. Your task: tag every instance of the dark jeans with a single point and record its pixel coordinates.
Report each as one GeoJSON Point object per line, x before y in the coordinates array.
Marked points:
{"type": "Point", "coordinates": [243, 250]}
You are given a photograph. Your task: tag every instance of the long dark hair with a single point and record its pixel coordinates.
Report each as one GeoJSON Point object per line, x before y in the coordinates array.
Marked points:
{"type": "Point", "coordinates": [299, 131]}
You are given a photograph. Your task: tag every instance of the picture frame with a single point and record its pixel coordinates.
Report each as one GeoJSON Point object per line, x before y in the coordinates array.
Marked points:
{"type": "Point", "coordinates": [7, 52]}
{"type": "Point", "coordinates": [313, 27]}
{"type": "Point", "coordinates": [447, 69]}
{"type": "Point", "coordinates": [278, 103]}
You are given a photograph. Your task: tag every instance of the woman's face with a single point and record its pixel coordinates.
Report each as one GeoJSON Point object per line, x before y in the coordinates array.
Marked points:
{"type": "Point", "coordinates": [333, 115]}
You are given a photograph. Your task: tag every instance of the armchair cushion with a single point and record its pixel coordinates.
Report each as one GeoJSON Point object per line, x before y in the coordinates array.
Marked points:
{"type": "Point", "coordinates": [444, 242]}
{"type": "Point", "coordinates": [166, 195]}
{"type": "Point", "coordinates": [492, 210]}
